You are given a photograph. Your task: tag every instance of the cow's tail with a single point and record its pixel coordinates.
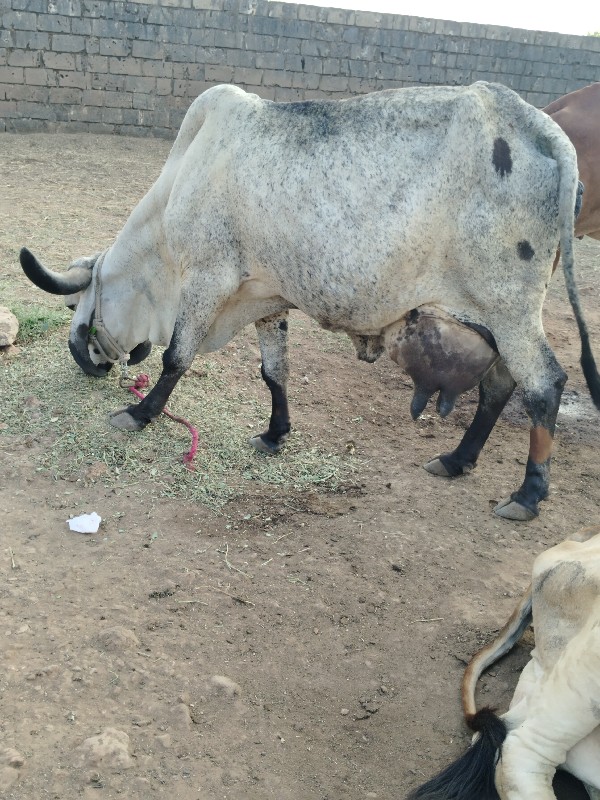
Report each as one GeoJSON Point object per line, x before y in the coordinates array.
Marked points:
{"type": "Point", "coordinates": [508, 636]}
{"type": "Point", "coordinates": [471, 777]}
{"type": "Point", "coordinates": [566, 210]}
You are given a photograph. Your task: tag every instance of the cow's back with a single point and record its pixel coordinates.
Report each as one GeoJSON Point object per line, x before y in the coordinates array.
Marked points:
{"type": "Point", "coordinates": [403, 188]}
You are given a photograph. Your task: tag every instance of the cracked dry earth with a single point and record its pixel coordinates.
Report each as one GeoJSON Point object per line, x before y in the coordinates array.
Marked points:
{"type": "Point", "coordinates": [299, 645]}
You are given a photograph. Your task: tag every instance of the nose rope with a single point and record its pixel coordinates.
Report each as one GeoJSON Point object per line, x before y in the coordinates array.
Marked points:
{"type": "Point", "coordinates": [141, 382]}
{"type": "Point", "coordinates": [99, 326]}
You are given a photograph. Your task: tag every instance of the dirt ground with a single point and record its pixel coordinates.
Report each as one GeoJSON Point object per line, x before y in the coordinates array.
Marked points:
{"type": "Point", "coordinates": [298, 645]}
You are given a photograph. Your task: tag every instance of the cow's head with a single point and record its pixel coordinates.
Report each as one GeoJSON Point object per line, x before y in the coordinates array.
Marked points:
{"type": "Point", "coordinates": [94, 352]}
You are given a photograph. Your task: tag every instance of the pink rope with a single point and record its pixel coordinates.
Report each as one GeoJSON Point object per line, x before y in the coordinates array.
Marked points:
{"type": "Point", "coordinates": [142, 382]}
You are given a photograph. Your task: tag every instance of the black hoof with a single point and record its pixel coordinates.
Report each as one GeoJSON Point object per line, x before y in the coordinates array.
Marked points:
{"type": "Point", "coordinates": [511, 508]}
{"type": "Point", "coordinates": [125, 420]}
{"type": "Point", "coordinates": [265, 445]}
{"type": "Point", "coordinates": [448, 466]}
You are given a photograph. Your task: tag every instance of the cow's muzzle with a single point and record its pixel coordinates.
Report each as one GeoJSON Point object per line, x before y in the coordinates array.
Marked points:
{"type": "Point", "coordinates": [79, 347]}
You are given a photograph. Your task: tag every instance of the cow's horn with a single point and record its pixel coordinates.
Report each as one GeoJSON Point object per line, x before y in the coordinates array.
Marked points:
{"type": "Point", "coordinates": [74, 280]}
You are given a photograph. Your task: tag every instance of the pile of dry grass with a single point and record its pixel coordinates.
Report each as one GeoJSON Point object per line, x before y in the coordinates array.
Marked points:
{"type": "Point", "coordinates": [44, 395]}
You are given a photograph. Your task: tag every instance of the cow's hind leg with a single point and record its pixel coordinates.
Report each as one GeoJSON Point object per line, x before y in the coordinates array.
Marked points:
{"type": "Point", "coordinates": [272, 337]}
{"type": "Point", "coordinates": [494, 392]}
{"type": "Point", "coordinates": [542, 380]}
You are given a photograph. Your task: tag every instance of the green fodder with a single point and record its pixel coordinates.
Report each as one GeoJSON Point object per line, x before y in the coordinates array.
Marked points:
{"type": "Point", "coordinates": [35, 321]}
{"type": "Point", "coordinates": [44, 396]}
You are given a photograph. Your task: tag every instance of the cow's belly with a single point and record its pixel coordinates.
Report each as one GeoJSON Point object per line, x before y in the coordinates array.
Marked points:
{"type": "Point", "coordinates": [254, 300]}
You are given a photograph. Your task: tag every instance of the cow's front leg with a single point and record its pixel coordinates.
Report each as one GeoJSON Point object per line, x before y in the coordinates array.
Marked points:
{"type": "Point", "coordinates": [541, 396]}
{"type": "Point", "coordinates": [199, 305]}
{"type": "Point", "coordinates": [136, 417]}
{"type": "Point", "coordinates": [561, 712]}
{"type": "Point", "coordinates": [494, 392]}
{"type": "Point", "coordinates": [272, 337]}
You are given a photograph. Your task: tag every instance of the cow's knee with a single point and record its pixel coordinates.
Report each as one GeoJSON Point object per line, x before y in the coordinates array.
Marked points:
{"type": "Point", "coordinates": [523, 773]}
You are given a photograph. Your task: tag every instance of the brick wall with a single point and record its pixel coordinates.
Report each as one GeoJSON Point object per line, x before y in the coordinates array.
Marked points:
{"type": "Point", "coordinates": [134, 67]}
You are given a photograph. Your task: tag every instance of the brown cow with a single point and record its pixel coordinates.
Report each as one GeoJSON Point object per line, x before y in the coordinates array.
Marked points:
{"type": "Point", "coordinates": [578, 114]}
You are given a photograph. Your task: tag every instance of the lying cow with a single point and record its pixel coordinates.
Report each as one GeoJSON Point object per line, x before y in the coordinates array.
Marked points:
{"type": "Point", "coordinates": [578, 114]}
{"type": "Point", "coordinates": [422, 221]}
{"type": "Point", "coordinates": [554, 716]}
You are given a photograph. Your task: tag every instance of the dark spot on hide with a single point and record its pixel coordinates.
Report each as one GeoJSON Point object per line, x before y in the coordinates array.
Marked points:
{"type": "Point", "coordinates": [566, 576]}
{"type": "Point", "coordinates": [579, 199]}
{"type": "Point", "coordinates": [320, 115]}
{"type": "Point", "coordinates": [413, 315]}
{"type": "Point", "coordinates": [525, 250]}
{"type": "Point", "coordinates": [283, 325]}
{"type": "Point", "coordinates": [501, 158]}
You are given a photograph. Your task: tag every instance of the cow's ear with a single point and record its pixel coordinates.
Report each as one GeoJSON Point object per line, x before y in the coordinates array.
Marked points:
{"type": "Point", "coordinates": [72, 300]}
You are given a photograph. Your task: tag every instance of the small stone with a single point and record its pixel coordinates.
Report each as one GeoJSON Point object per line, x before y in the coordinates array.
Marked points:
{"type": "Point", "coordinates": [118, 638]}
{"type": "Point", "coordinates": [9, 327]}
{"type": "Point", "coordinates": [12, 758]}
{"type": "Point", "coordinates": [181, 717]}
{"type": "Point", "coordinates": [228, 687]}
{"type": "Point", "coordinates": [110, 748]}
{"type": "Point", "coordinates": [344, 712]}
{"type": "Point", "coordinates": [164, 740]}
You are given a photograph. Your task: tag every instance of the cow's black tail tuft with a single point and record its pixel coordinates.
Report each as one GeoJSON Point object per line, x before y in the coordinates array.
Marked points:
{"type": "Point", "coordinates": [588, 364]}
{"type": "Point", "coordinates": [590, 371]}
{"type": "Point", "coordinates": [470, 777]}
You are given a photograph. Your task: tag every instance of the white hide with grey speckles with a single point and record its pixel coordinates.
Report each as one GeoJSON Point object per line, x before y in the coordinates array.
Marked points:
{"type": "Point", "coordinates": [555, 712]}
{"type": "Point", "coordinates": [354, 211]}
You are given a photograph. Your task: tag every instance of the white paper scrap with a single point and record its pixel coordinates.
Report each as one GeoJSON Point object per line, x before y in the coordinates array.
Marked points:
{"type": "Point", "coordinates": [86, 523]}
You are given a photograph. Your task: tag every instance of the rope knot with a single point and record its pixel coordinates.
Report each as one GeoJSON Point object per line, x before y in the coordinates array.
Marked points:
{"type": "Point", "coordinates": [142, 381]}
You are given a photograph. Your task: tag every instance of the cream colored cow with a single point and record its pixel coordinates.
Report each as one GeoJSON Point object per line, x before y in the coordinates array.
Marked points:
{"type": "Point", "coordinates": [554, 716]}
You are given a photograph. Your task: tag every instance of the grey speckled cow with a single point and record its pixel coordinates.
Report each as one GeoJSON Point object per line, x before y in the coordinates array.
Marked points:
{"type": "Point", "coordinates": [422, 221]}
